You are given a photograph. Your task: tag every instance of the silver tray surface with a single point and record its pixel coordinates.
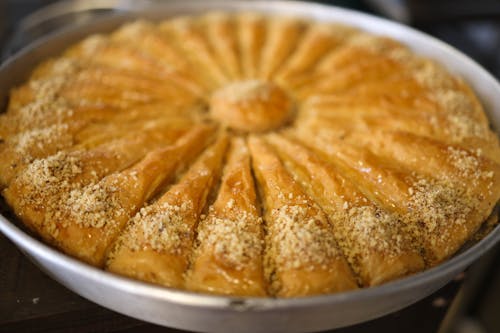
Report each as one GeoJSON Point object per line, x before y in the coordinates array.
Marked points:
{"type": "Point", "coordinates": [205, 313]}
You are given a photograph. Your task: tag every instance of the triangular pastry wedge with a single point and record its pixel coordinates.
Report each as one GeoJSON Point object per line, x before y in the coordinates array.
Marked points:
{"type": "Point", "coordinates": [83, 214]}
{"type": "Point", "coordinates": [220, 30]}
{"type": "Point", "coordinates": [371, 236]}
{"type": "Point", "coordinates": [317, 41]}
{"type": "Point", "coordinates": [228, 254]}
{"type": "Point", "coordinates": [187, 36]}
{"type": "Point", "coordinates": [22, 149]}
{"type": "Point", "coordinates": [157, 243]}
{"type": "Point", "coordinates": [251, 37]}
{"type": "Point", "coordinates": [448, 189]}
{"type": "Point", "coordinates": [281, 40]}
{"type": "Point", "coordinates": [301, 255]}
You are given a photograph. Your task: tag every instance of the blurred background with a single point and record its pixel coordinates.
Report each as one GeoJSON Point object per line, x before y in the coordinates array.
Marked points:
{"type": "Point", "coordinates": [31, 302]}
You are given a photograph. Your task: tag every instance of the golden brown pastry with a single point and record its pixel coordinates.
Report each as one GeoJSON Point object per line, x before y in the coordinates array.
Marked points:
{"type": "Point", "coordinates": [373, 240]}
{"type": "Point", "coordinates": [251, 37]}
{"type": "Point", "coordinates": [228, 257]}
{"type": "Point", "coordinates": [156, 245]}
{"type": "Point", "coordinates": [243, 154]}
{"type": "Point", "coordinates": [83, 215]}
{"type": "Point", "coordinates": [301, 256]}
{"type": "Point", "coordinates": [22, 149]}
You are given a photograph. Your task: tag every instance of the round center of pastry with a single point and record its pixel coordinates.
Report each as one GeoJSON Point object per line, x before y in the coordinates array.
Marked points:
{"type": "Point", "coordinates": [251, 106]}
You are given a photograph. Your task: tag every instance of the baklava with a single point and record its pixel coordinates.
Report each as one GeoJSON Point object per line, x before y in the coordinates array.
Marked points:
{"type": "Point", "coordinates": [251, 155]}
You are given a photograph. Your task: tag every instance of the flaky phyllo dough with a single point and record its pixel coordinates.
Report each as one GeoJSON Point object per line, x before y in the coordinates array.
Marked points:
{"type": "Point", "coordinates": [243, 154]}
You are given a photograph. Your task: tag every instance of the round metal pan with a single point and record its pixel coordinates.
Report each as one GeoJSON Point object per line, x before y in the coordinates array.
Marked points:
{"type": "Point", "coordinates": [207, 313]}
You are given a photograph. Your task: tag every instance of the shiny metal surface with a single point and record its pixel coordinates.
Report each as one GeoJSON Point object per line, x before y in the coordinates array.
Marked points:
{"type": "Point", "coordinates": [225, 314]}
{"type": "Point", "coordinates": [63, 13]}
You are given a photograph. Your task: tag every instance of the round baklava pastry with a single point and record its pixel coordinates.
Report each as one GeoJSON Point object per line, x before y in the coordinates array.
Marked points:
{"type": "Point", "coordinates": [250, 155]}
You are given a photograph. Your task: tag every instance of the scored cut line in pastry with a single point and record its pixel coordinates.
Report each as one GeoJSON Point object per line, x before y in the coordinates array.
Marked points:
{"type": "Point", "coordinates": [156, 245]}
{"type": "Point", "coordinates": [373, 241]}
{"type": "Point", "coordinates": [302, 256]}
{"type": "Point", "coordinates": [251, 155]}
{"type": "Point", "coordinates": [84, 219]}
{"type": "Point", "coordinates": [20, 150]}
{"type": "Point", "coordinates": [228, 257]}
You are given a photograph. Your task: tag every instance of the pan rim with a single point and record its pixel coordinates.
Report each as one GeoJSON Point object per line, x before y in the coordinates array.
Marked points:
{"type": "Point", "coordinates": [33, 245]}
{"type": "Point", "coordinates": [189, 298]}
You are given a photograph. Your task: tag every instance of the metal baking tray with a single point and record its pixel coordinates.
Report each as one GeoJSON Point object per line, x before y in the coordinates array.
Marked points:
{"type": "Point", "coordinates": [206, 313]}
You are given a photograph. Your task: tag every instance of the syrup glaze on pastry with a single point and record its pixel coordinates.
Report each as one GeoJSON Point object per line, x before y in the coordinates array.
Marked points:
{"type": "Point", "coordinates": [251, 155]}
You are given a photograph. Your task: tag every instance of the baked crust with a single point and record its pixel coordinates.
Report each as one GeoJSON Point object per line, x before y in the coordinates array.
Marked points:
{"type": "Point", "coordinates": [302, 256]}
{"type": "Point", "coordinates": [251, 155]}
{"type": "Point", "coordinates": [156, 245]}
{"type": "Point", "coordinates": [228, 255]}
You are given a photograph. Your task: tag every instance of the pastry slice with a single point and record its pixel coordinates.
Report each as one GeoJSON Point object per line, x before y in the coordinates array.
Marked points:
{"type": "Point", "coordinates": [55, 72]}
{"type": "Point", "coordinates": [88, 93]}
{"type": "Point", "coordinates": [366, 48]}
{"type": "Point", "coordinates": [100, 132]}
{"type": "Point", "coordinates": [21, 149]}
{"type": "Point", "coordinates": [65, 199]}
{"type": "Point", "coordinates": [347, 78]}
{"type": "Point", "coordinates": [112, 86]}
{"type": "Point", "coordinates": [148, 37]}
{"type": "Point", "coordinates": [377, 178]}
{"type": "Point", "coordinates": [460, 167]}
{"type": "Point", "coordinates": [102, 51]}
{"type": "Point", "coordinates": [85, 122]}
{"type": "Point", "coordinates": [372, 238]}
{"type": "Point", "coordinates": [220, 30]}
{"type": "Point", "coordinates": [157, 243]}
{"type": "Point", "coordinates": [185, 34]}
{"type": "Point", "coordinates": [450, 191]}
{"type": "Point", "coordinates": [72, 98]}
{"type": "Point", "coordinates": [346, 68]}
{"type": "Point", "coordinates": [301, 255]}
{"type": "Point", "coordinates": [357, 125]}
{"type": "Point", "coordinates": [318, 40]}
{"type": "Point", "coordinates": [282, 37]}
{"type": "Point", "coordinates": [251, 37]}
{"type": "Point", "coordinates": [140, 117]}
{"type": "Point", "coordinates": [451, 118]}
{"type": "Point", "coordinates": [350, 116]}
{"type": "Point", "coordinates": [370, 108]}
{"type": "Point", "coordinates": [24, 148]}
{"type": "Point", "coordinates": [123, 54]}
{"type": "Point", "coordinates": [47, 112]}
{"type": "Point", "coordinates": [121, 83]}
{"type": "Point", "coordinates": [405, 94]}
{"type": "Point", "coordinates": [468, 125]}
{"type": "Point", "coordinates": [228, 258]}
{"type": "Point", "coordinates": [459, 190]}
